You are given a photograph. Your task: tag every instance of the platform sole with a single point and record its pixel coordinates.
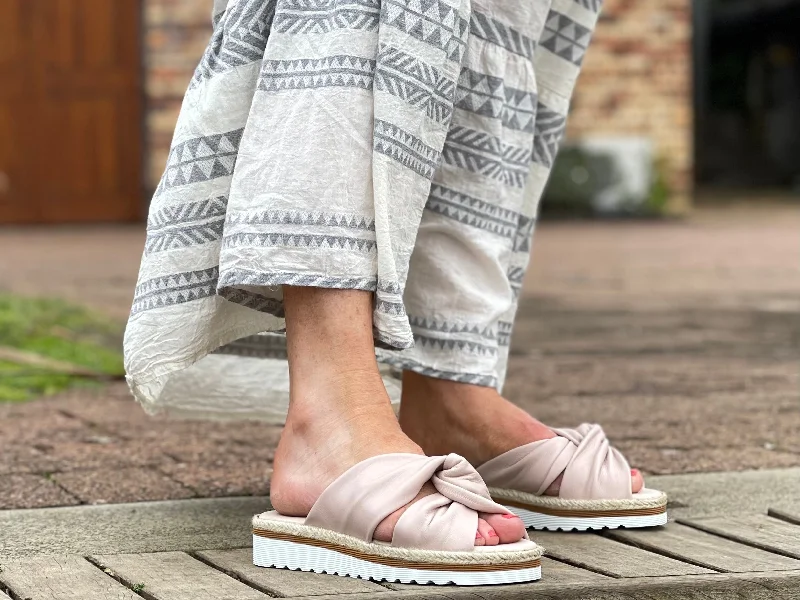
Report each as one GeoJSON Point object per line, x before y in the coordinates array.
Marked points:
{"type": "Point", "coordinates": [539, 520]}
{"type": "Point", "coordinates": [323, 558]}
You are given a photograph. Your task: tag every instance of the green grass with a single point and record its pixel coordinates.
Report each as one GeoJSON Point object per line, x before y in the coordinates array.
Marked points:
{"type": "Point", "coordinates": [56, 330]}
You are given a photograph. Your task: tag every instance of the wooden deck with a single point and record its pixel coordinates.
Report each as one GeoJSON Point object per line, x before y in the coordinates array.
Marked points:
{"type": "Point", "coordinates": [738, 555]}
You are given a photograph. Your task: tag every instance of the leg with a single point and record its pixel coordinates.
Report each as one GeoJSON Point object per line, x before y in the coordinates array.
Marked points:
{"type": "Point", "coordinates": [474, 241]}
{"type": "Point", "coordinates": [481, 424]}
{"type": "Point", "coordinates": [339, 412]}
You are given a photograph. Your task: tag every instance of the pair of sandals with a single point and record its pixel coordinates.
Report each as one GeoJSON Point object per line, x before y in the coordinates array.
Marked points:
{"type": "Point", "coordinates": [434, 539]}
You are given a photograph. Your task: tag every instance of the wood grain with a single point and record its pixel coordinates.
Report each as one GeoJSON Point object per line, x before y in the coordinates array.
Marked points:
{"type": "Point", "coordinates": [759, 531]}
{"type": "Point", "coordinates": [775, 585]}
{"type": "Point", "coordinates": [608, 557]}
{"type": "Point", "coordinates": [692, 545]}
{"type": "Point", "coordinates": [176, 576]}
{"type": "Point", "coordinates": [239, 563]}
{"type": "Point", "coordinates": [70, 111]}
{"type": "Point", "coordinates": [61, 578]}
{"type": "Point", "coordinates": [790, 515]}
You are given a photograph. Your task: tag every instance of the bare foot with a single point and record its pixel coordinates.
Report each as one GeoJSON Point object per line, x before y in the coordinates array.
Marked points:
{"type": "Point", "coordinates": [317, 448]}
{"type": "Point", "coordinates": [339, 411]}
{"type": "Point", "coordinates": [481, 424]}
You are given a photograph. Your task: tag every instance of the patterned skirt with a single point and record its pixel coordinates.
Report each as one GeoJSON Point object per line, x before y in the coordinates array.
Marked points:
{"type": "Point", "coordinates": [395, 146]}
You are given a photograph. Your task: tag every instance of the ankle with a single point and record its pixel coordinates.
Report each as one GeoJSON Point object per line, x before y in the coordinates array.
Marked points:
{"type": "Point", "coordinates": [474, 421]}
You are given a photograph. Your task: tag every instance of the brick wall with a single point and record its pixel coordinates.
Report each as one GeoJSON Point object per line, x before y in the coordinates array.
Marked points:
{"type": "Point", "coordinates": [175, 34]}
{"type": "Point", "coordinates": [636, 79]}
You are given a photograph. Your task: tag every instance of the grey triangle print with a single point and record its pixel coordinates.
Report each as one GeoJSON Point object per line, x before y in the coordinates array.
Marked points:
{"type": "Point", "coordinates": [408, 150]}
{"type": "Point", "coordinates": [496, 32]}
{"type": "Point", "coordinates": [482, 153]}
{"type": "Point", "coordinates": [472, 211]}
{"type": "Point", "coordinates": [504, 333]}
{"type": "Point", "coordinates": [417, 367]}
{"type": "Point", "coordinates": [442, 326]}
{"type": "Point", "coordinates": [592, 5]}
{"type": "Point", "coordinates": [524, 234]}
{"type": "Point", "coordinates": [308, 73]}
{"type": "Point", "coordinates": [239, 38]}
{"type": "Point", "coordinates": [550, 126]}
{"type": "Point", "coordinates": [290, 239]}
{"type": "Point", "coordinates": [488, 96]}
{"type": "Point", "coordinates": [454, 344]}
{"type": "Point", "coordinates": [391, 308]}
{"type": "Point", "coordinates": [431, 21]}
{"type": "Point", "coordinates": [190, 224]}
{"type": "Point", "coordinates": [257, 346]}
{"type": "Point", "coordinates": [515, 276]}
{"type": "Point", "coordinates": [201, 159]}
{"type": "Point", "coordinates": [189, 212]}
{"type": "Point", "coordinates": [177, 288]}
{"type": "Point", "coordinates": [255, 301]}
{"type": "Point", "coordinates": [565, 37]}
{"type": "Point", "coordinates": [416, 82]}
{"type": "Point", "coordinates": [233, 278]}
{"type": "Point", "coordinates": [303, 218]}
{"type": "Point", "coordinates": [324, 16]}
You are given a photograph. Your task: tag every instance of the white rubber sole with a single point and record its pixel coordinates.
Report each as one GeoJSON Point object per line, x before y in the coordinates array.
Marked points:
{"type": "Point", "coordinates": [282, 554]}
{"type": "Point", "coordinates": [536, 520]}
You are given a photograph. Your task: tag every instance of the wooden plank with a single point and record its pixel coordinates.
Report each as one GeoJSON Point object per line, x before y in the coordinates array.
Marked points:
{"type": "Point", "coordinates": [692, 545]}
{"type": "Point", "coordinates": [771, 585]}
{"type": "Point", "coordinates": [61, 578]}
{"type": "Point", "coordinates": [789, 515]}
{"type": "Point", "coordinates": [608, 557]}
{"type": "Point", "coordinates": [176, 576]}
{"type": "Point", "coordinates": [239, 563]}
{"type": "Point", "coordinates": [759, 531]}
{"type": "Point", "coordinates": [560, 573]}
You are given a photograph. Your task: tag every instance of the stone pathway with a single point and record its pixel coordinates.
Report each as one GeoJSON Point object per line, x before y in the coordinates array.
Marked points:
{"type": "Point", "coordinates": [681, 338]}
{"type": "Point", "coordinates": [722, 542]}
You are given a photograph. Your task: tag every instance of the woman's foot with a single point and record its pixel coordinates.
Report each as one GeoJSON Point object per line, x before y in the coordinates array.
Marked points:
{"type": "Point", "coordinates": [481, 424]}
{"type": "Point", "coordinates": [339, 411]}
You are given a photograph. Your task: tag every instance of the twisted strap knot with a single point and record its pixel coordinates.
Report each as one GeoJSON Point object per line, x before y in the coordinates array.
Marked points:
{"type": "Point", "coordinates": [591, 468]}
{"type": "Point", "coordinates": [356, 502]}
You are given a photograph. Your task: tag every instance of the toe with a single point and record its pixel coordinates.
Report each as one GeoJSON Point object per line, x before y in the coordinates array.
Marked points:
{"type": "Point", "coordinates": [637, 481]}
{"type": "Point", "coordinates": [488, 533]}
{"type": "Point", "coordinates": [479, 541]}
{"type": "Point", "coordinates": [509, 528]}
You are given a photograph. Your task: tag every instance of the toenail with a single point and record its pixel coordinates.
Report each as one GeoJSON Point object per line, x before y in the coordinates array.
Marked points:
{"type": "Point", "coordinates": [510, 517]}
{"type": "Point", "coordinates": [634, 471]}
{"type": "Point", "coordinates": [478, 535]}
{"type": "Point", "coordinates": [491, 533]}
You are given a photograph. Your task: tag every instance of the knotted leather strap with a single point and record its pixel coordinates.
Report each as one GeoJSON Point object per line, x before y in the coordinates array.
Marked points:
{"type": "Point", "coordinates": [367, 493]}
{"type": "Point", "coordinates": [592, 469]}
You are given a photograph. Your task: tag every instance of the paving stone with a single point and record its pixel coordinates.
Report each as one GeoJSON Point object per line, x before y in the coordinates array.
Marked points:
{"type": "Point", "coordinates": [223, 477]}
{"type": "Point", "coordinates": [112, 486]}
{"type": "Point", "coordinates": [32, 491]}
{"type": "Point", "coordinates": [681, 345]}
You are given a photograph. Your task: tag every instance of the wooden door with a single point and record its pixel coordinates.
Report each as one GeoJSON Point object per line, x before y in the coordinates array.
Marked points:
{"type": "Point", "coordinates": [70, 111]}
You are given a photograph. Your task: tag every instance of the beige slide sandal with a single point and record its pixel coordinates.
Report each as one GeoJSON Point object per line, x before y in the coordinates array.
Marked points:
{"type": "Point", "coordinates": [595, 490]}
{"type": "Point", "coordinates": [433, 541]}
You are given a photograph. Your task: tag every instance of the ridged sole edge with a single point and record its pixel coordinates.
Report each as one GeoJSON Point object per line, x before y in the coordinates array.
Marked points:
{"type": "Point", "coordinates": [536, 520]}
{"type": "Point", "coordinates": [283, 554]}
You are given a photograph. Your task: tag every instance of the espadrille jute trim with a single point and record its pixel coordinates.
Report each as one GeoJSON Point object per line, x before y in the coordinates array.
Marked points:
{"type": "Point", "coordinates": [658, 500]}
{"type": "Point", "coordinates": [497, 557]}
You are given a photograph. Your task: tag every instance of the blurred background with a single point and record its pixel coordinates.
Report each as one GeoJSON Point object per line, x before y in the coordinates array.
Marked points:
{"type": "Point", "coordinates": [664, 295]}
{"type": "Point", "coordinates": [680, 101]}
